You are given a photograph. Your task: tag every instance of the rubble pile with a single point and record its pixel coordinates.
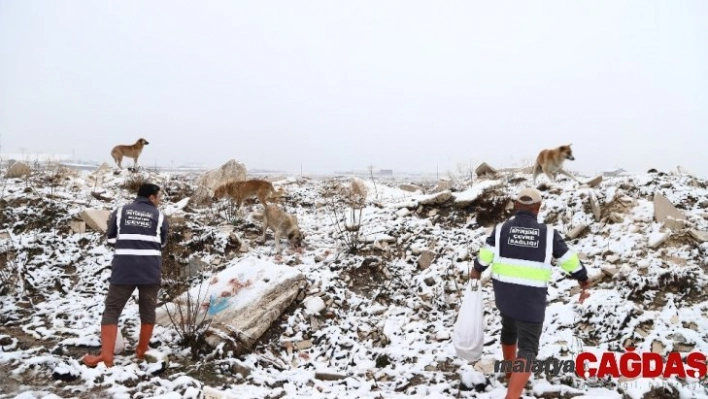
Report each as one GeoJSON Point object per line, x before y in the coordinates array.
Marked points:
{"type": "Point", "coordinates": [372, 322]}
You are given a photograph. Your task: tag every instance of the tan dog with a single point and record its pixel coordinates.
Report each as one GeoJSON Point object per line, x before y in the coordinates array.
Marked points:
{"type": "Point", "coordinates": [282, 224]}
{"type": "Point", "coordinates": [128, 151]}
{"type": "Point", "coordinates": [550, 161]}
{"type": "Point", "coordinates": [242, 190]}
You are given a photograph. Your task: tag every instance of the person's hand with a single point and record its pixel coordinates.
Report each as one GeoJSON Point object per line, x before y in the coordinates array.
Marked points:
{"type": "Point", "coordinates": [475, 274]}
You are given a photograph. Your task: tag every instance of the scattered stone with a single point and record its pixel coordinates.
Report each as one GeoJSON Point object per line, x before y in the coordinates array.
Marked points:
{"type": "Point", "coordinates": [300, 345]}
{"type": "Point", "coordinates": [609, 271]}
{"type": "Point", "coordinates": [700, 236]}
{"type": "Point", "coordinates": [238, 368]}
{"type": "Point", "coordinates": [575, 232]}
{"type": "Point", "coordinates": [329, 376]}
{"type": "Point", "coordinates": [616, 217]}
{"type": "Point", "coordinates": [78, 226]}
{"type": "Point", "coordinates": [409, 187]}
{"type": "Point", "coordinates": [656, 239]}
{"type": "Point", "coordinates": [96, 219]}
{"type": "Point", "coordinates": [613, 258]}
{"type": "Point", "coordinates": [437, 199]}
{"type": "Point", "coordinates": [442, 336]}
{"type": "Point", "coordinates": [485, 169]}
{"type": "Point", "coordinates": [429, 281]}
{"type": "Point", "coordinates": [426, 259]}
{"type": "Point", "coordinates": [657, 347]}
{"type": "Point", "coordinates": [594, 182]}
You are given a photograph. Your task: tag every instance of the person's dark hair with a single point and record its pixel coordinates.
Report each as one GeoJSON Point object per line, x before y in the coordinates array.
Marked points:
{"type": "Point", "coordinates": [148, 189]}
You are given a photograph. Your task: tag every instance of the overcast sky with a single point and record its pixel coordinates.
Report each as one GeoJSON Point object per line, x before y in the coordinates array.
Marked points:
{"type": "Point", "coordinates": [340, 85]}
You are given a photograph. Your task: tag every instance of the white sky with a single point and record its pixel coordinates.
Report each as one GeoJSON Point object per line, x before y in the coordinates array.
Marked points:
{"type": "Point", "coordinates": [339, 85]}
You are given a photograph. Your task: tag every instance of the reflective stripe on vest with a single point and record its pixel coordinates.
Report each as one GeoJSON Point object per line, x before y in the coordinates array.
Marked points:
{"type": "Point", "coordinates": [521, 271]}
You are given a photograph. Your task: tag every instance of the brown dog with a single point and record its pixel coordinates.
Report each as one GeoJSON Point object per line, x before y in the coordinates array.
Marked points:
{"type": "Point", "coordinates": [282, 224]}
{"type": "Point", "coordinates": [242, 190]}
{"type": "Point", "coordinates": [550, 161]}
{"type": "Point", "coordinates": [128, 151]}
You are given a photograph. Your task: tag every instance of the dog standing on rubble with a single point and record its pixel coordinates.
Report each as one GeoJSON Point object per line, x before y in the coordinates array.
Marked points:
{"type": "Point", "coordinates": [242, 190]}
{"type": "Point", "coordinates": [550, 162]}
{"type": "Point", "coordinates": [282, 224]}
{"type": "Point", "coordinates": [128, 151]}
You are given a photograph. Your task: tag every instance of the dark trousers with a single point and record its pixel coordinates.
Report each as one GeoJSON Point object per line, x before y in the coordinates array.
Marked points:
{"type": "Point", "coordinates": [118, 296]}
{"type": "Point", "coordinates": [526, 335]}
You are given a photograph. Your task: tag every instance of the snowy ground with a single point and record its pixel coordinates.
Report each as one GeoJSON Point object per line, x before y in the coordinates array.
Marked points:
{"type": "Point", "coordinates": [386, 327]}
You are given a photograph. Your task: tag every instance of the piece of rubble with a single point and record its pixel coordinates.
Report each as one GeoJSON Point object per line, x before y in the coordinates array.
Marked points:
{"type": "Point", "coordinates": [101, 197]}
{"type": "Point", "coordinates": [96, 219]}
{"type": "Point", "coordinates": [301, 345]}
{"type": "Point", "coordinates": [213, 393]}
{"type": "Point", "coordinates": [665, 212]}
{"type": "Point", "coordinates": [594, 182]}
{"type": "Point", "coordinates": [437, 199]}
{"type": "Point", "coordinates": [616, 217]}
{"type": "Point", "coordinates": [575, 232]}
{"type": "Point", "coordinates": [656, 239]}
{"type": "Point", "coordinates": [77, 226]}
{"type": "Point", "coordinates": [700, 236]}
{"type": "Point", "coordinates": [329, 376]}
{"type": "Point", "coordinates": [485, 169]}
{"type": "Point", "coordinates": [657, 347]}
{"type": "Point", "coordinates": [241, 302]}
{"type": "Point", "coordinates": [425, 259]}
{"type": "Point", "coordinates": [613, 258]}
{"type": "Point", "coordinates": [609, 271]}
{"type": "Point", "coordinates": [595, 207]}
{"type": "Point", "coordinates": [409, 187]}
{"type": "Point", "coordinates": [232, 170]}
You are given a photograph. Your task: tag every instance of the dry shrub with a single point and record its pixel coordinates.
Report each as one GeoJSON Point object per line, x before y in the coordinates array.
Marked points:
{"type": "Point", "coordinates": [133, 183]}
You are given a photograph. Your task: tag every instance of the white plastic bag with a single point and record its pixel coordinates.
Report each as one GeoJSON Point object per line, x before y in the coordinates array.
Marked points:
{"type": "Point", "coordinates": [468, 336]}
{"type": "Point", "coordinates": [120, 344]}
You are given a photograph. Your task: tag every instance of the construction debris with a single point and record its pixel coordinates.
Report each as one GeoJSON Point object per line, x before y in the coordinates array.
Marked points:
{"type": "Point", "coordinates": [485, 169]}
{"type": "Point", "coordinates": [656, 239]}
{"type": "Point", "coordinates": [575, 232]}
{"type": "Point", "coordinates": [665, 212]}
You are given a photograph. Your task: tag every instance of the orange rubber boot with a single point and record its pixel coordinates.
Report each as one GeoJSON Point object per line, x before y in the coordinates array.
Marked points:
{"type": "Point", "coordinates": [509, 352]}
{"type": "Point", "coordinates": [108, 343]}
{"type": "Point", "coordinates": [517, 382]}
{"type": "Point", "coordinates": [145, 335]}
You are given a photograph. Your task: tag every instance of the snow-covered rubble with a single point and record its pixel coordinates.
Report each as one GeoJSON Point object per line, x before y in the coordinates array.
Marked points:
{"type": "Point", "coordinates": [375, 319]}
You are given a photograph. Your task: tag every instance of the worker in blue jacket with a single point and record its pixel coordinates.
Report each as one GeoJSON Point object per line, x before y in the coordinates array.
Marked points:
{"type": "Point", "coordinates": [519, 252]}
{"type": "Point", "coordinates": [138, 232]}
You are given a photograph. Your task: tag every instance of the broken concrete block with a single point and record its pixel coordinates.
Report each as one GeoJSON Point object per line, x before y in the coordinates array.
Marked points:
{"type": "Point", "coordinates": [575, 232]}
{"type": "Point", "coordinates": [78, 226]}
{"type": "Point", "coordinates": [609, 271]}
{"type": "Point", "coordinates": [594, 182]}
{"type": "Point", "coordinates": [437, 199]}
{"type": "Point", "coordinates": [700, 236]}
{"type": "Point", "coordinates": [17, 170]}
{"type": "Point", "coordinates": [241, 302]}
{"type": "Point", "coordinates": [96, 219]}
{"type": "Point", "coordinates": [616, 217]}
{"type": "Point", "coordinates": [409, 187]}
{"type": "Point", "coordinates": [329, 376]}
{"type": "Point", "coordinates": [666, 213]}
{"type": "Point", "coordinates": [656, 239]}
{"type": "Point", "coordinates": [105, 167]}
{"type": "Point", "coordinates": [595, 207]}
{"type": "Point", "coordinates": [426, 259]}
{"type": "Point", "coordinates": [484, 169]}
